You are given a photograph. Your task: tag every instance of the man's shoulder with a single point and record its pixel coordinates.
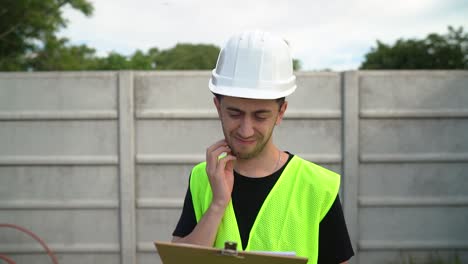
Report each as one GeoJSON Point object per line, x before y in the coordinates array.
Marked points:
{"type": "Point", "coordinates": [199, 175]}
{"type": "Point", "coordinates": [320, 182]}
{"type": "Point", "coordinates": [312, 169]}
{"type": "Point", "coordinates": [315, 176]}
{"type": "Point", "coordinates": [200, 167]}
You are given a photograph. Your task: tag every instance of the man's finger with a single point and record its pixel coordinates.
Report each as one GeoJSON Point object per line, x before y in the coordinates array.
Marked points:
{"type": "Point", "coordinates": [212, 157]}
{"type": "Point", "coordinates": [216, 145]}
{"type": "Point", "coordinates": [223, 162]}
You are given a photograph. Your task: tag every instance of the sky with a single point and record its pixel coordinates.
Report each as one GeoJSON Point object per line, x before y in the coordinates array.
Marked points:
{"type": "Point", "coordinates": [331, 34]}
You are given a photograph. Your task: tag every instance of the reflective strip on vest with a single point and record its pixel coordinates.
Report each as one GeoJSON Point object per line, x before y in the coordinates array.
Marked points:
{"type": "Point", "coordinates": [289, 218]}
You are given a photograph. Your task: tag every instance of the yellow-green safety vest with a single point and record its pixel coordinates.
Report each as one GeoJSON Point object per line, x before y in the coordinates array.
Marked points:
{"type": "Point", "coordinates": [288, 220]}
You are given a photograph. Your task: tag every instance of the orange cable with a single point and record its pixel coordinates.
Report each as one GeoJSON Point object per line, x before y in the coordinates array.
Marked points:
{"type": "Point", "coordinates": [7, 259]}
{"type": "Point", "coordinates": [37, 238]}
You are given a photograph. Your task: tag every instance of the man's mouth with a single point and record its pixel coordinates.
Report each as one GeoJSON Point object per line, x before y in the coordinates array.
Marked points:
{"type": "Point", "coordinates": [245, 141]}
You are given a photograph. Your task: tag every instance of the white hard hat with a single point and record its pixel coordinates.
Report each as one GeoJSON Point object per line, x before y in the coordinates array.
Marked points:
{"type": "Point", "coordinates": [255, 65]}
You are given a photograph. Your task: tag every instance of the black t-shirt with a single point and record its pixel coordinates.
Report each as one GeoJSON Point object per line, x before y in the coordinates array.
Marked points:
{"type": "Point", "coordinates": [248, 195]}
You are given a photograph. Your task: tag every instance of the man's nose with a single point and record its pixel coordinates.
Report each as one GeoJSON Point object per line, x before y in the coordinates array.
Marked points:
{"type": "Point", "coordinates": [246, 128]}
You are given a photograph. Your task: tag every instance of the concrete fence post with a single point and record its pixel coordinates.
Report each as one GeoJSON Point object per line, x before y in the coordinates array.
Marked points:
{"type": "Point", "coordinates": [126, 168]}
{"type": "Point", "coordinates": [350, 145]}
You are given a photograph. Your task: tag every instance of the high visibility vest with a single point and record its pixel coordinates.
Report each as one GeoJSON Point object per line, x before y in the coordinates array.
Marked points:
{"type": "Point", "coordinates": [288, 220]}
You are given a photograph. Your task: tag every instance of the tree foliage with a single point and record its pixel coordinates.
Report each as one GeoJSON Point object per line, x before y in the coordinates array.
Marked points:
{"type": "Point", "coordinates": [180, 57]}
{"type": "Point", "coordinates": [56, 55]}
{"type": "Point", "coordinates": [25, 26]}
{"type": "Point", "coordinates": [188, 57]}
{"type": "Point", "coordinates": [449, 51]}
{"type": "Point", "coordinates": [297, 64]}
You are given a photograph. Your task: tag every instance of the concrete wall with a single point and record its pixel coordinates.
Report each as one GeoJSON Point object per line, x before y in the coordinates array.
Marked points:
{"type": "Point", "coordinates": [411, 180]}
{"type": "Point", "coordinates": [97, 163]}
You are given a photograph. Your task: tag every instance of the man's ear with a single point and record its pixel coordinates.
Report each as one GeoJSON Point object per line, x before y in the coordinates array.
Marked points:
{"type": "Point", "coordinates": [282, 110]}
{"type": "Point", "coordinates": [217, 103]}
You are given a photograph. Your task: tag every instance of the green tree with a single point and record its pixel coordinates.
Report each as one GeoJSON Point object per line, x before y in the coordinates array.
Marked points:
{"type": "Point", "coordinates": [137, 61]}
{"type": "Point", "coordinates": [57, 55]}
{"type": "Point", "coordinates": [449, 51]}
{"type": "Point", "coordinates": [187, 57]}
{"type": "Point", "coordinates": [113, 61]}
{"type": "Point", "coordinates": [142, 61]}
{"type": "Point", "coordinates": [297, 64]}
{"type": "Point", "coordinates": [26, 25]}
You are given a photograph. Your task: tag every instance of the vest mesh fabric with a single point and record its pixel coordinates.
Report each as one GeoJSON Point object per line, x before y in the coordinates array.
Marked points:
{"type": "Point", "coordinates": [290, 216]}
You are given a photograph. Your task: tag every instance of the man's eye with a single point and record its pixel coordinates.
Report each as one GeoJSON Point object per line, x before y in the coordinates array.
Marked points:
{"type": "Point", "coordinates": [261, 118]}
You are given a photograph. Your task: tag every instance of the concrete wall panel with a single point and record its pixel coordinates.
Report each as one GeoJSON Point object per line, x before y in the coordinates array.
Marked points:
{"type": "Point", "coordinates": [163, 180]}
{"type": "Point", "coordinates": [414, 180]}
{"type": "Point", "coordinates": [58, 183]}
{"type": "Point", "coordinates": [67, 228]}
{"type": "Point", "coordinates": [413, 256]}
{"type": "Point", "coordinates": [423, 224]}
{"type": "Point", "coordinates": [149, 258]}
{"type": "Point", "coordinates": [58, 91]}
{"type": "Point", "coordinates": [316, 91]}
{"type": "Point", "coordinates": [31, 138]}
{"type": "Point", "coordinates": [310, 137]}
{"type": "Point", "coordinates": [170, 137]}
{"type": "Point", "coordinates": [68, 258]}
{"type": "Point", "coordinates": [156, 224]}
{"type": "Point", "coordinates": [408, 136]}
{"type": "Point", "coordinates": [172, 91]}
{"type": "Point", "coordinates": [416, 91]}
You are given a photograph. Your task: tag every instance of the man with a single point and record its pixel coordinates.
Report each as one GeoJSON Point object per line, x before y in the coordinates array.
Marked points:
{"type": "Point", "coordinates": [248, 190]}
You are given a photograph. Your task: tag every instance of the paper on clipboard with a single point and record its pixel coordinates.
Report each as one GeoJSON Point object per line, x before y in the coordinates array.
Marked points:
{"type": "Point", "coordinates": [172, 253]}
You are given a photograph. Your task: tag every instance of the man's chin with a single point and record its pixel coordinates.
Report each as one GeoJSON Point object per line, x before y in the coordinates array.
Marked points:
{"type": "Point", "coordinates": [245, 154]}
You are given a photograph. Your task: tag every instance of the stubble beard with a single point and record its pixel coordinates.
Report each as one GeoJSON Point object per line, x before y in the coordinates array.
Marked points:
{"type": "Point", "coordinates": [259, 147]}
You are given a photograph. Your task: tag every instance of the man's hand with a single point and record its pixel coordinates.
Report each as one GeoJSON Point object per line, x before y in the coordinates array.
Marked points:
{"type": "Point", "coordinates": [220, 173]}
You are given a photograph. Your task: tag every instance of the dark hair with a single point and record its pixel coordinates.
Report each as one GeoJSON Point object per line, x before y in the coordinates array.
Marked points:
{"type": "Point", "coordinates": [280, 101]}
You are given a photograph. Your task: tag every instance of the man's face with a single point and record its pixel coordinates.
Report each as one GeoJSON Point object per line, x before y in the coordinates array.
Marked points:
{"type": "Point", "coordinates": [248, 123]}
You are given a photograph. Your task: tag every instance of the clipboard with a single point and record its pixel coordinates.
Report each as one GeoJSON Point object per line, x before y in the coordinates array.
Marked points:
{"type": "Point", "coordinates": [173, 253]}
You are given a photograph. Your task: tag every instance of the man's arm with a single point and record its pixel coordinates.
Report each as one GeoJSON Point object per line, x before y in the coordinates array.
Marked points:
{"type": "Point", "coordinates": [221, 176]}
{"type": "Point", "coordinates": [205, 231]}
{"type": "Point", "coordinates": [334, 242]}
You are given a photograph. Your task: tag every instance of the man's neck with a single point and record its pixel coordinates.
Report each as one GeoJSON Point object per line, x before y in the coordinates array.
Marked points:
{"type": "Point", "coordinates": [264, 164]}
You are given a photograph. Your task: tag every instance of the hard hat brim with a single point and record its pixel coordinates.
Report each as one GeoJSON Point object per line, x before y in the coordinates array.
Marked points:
{"type": "Point", "coordinates": [245, 92]}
